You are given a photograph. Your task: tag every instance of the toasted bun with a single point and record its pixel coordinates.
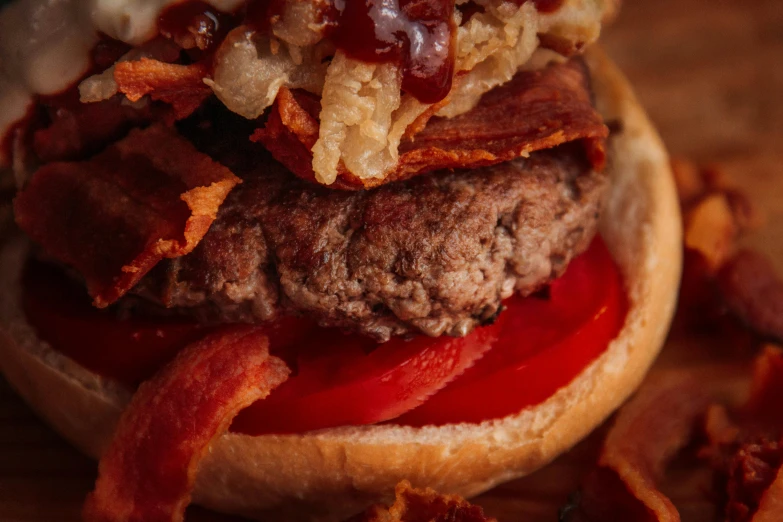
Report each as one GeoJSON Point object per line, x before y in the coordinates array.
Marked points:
{"type": "Point", "coordinates": [333, 473]}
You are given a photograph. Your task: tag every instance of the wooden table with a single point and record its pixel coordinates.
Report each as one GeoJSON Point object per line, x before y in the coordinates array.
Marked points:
{"type": "Point", "coordinates": [710, 73]}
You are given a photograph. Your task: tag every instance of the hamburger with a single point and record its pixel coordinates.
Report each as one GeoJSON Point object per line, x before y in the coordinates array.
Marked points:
{"type": "Point", "coordinates": [417, 208]}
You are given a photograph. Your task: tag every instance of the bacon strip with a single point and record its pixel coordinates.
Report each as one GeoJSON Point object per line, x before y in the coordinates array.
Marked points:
{"type": "Point", "coordinates": [710, 229]}
{"type": "Point", "coordinates": [150, 196]}
{"type": "Point", "coordinates": [534, 111]}
{"type": "Point", "coordinates": [149, 470]}
{"type": "Point", "coordinates": [181, 86]}
{"type": "Point", "coordinates": [423, 505]}
{"type": "Point", "coordinates": [647, 433]}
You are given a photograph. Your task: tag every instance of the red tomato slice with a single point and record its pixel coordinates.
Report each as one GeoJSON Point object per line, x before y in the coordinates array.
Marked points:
{"type": "Point", "coordinates": [349, 380]}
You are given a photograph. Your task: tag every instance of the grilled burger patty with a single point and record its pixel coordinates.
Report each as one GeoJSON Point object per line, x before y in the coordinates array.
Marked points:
{"type": "Point", "coordinates": [435, 254]}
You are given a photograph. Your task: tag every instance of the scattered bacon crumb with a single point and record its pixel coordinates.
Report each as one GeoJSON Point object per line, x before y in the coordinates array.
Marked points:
{"type": "Point", "coordinates": [711, 230]}
{"type": "Point", "coordinates": [715, 216]}
{"type": "Point", "coordinates": [746, 448]}
{"type": "Point", "coordinates": [648, 432]}
{"type": "Point", "coordinates": [688, 180]}
{"type": "Point", "coordinates": [181, 86]}
{"type": "Point", "coordinates": [149, 470]}
{"type": "Point", "coordinates": [417, 505]}
{"type": "Point", "coordinates": [752, 289]}
{"type": "Point", "coordinates": [766, 392]}
{"type": "Point", "coordinates": [534, 111]}
{"type": "Point", "coordinates": [149, 196]}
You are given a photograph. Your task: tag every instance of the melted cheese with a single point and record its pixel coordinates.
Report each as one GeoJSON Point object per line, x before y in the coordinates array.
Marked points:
{"type": "Point", "coordinates": [45, 44]}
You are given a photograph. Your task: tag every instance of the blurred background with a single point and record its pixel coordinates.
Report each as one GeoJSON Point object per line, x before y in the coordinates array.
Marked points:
{"type": "Point", "coordinates": [710, 73]}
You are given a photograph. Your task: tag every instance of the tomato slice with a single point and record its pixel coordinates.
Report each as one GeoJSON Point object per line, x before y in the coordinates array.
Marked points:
{"type": "Point", "coordinates": [539, 344]}
{"type": "Point", "coordinates": [350, 380]}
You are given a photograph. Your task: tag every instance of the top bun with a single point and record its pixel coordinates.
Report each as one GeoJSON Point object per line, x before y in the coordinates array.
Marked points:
{"type": "Point", "coordinates": [331, 474]}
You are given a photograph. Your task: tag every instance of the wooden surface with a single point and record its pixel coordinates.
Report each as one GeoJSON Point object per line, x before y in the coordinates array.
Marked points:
{"type": "Point", "coordinates": [709, 71]}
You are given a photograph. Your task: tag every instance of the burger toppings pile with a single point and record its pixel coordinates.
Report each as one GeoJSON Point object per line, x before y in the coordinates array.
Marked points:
{"type": "Point", "coordinates": [174, 206]}
{"type": "Point", "coordinates": [371, 201]}
{"type": "Point", "coordinates": [380, 69]}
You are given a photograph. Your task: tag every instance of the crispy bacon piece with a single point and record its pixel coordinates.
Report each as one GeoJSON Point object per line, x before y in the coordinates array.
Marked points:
{"type": "Point", "coordinates": [417, 505]}
{"type": "Point", "coordinates": [753, 291]}
{"type": "Point", "coordinates": [149, 196]}
{"type": "Point", "coordinates": [751, 474]}
{"type": "Point", "coordinates": [766, 392]}
{"type": "Point", "coordinates": [181, 86]}
{"type": "Point", "coordinates": [716, 214]}
{"type": "Point", "coordinates": [535, 110]}
{"type": "Point", "coordinates": [647, 433]}
{"type": "Point", "coordinates": [710, 229]}
{"type": "Point", "coordinates": [149, 470]}
{"type": "Point", "coordinates": [747, 451]}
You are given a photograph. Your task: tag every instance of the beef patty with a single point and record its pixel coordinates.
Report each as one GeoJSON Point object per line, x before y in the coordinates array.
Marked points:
{"type": "Point", "coordinates": [435, 254]}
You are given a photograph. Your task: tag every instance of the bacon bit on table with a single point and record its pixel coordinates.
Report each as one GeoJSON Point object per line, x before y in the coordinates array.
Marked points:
{"type": "Point", "coordinates": [720, 284]}
{"type": "Point", "coordinates": [647, 433]}
{"type": "Point", "coordinates": [423, 505]}
{"type": "Point", "coordinates": [753, 291]}
{"type": "Point", "coordinates": [745, 447]}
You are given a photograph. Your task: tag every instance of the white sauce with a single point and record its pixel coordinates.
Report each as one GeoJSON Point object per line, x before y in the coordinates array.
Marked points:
{"type": "Point", "coordinates": [45, 44]}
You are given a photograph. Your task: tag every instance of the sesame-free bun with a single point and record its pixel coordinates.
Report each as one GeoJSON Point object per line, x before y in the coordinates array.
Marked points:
{"type": "Point", "coordinates": [330, 474]}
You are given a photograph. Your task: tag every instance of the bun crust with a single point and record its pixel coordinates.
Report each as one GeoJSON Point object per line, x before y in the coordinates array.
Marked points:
{"type": "Point", "coordinates": [331, 474]}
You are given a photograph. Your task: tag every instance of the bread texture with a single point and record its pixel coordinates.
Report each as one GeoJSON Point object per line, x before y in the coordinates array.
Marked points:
{"type": "Point", "coordinates": [331, 474]}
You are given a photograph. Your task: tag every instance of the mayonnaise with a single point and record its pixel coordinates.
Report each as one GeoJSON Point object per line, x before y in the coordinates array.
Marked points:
{"type": "Point", "coordinates": [45, 44]}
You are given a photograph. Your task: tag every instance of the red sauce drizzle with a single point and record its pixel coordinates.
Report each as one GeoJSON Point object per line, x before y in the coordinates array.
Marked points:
{"type": "Point", "coordinates": [417, 33]}
{"type": "Point", "coordinates": [195, 24]}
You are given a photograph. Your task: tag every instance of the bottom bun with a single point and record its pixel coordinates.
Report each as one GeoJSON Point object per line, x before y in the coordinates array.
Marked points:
{"type": "Point", "coordinates": [331, 474]}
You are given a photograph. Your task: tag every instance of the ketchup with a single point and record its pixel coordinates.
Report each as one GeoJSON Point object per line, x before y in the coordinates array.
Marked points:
{"type": "Point", "coordinates": [417, 34]}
